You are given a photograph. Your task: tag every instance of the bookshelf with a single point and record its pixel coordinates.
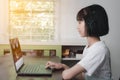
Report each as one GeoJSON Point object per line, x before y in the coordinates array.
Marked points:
{"type": "Point", "coordinates": [71, 54]}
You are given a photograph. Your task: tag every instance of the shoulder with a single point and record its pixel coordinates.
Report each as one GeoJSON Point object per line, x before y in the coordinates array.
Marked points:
{"type": "Point", "coordinates": [98, 50]}
{"type": "Point", "coordinates": [103, 48]}
{"type": "Point", "coordinates": [99, 47]}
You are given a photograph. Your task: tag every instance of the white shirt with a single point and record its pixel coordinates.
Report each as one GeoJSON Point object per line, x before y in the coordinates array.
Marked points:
{"type": "Point", "coordinates": [96, 61]}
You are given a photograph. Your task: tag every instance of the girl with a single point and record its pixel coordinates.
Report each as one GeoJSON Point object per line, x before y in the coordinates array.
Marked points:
{"type": "Point", "coordinates": [95, 64]}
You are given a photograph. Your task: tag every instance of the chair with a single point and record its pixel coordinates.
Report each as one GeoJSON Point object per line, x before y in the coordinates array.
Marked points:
{"type": "Point", "coordinates": [6, 52]}
{"type": "Point", "coordinates": [52, 52]}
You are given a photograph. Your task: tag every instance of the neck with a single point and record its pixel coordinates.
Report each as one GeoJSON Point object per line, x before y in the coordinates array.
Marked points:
{"type": "Point", "coordinates": [92, 40]}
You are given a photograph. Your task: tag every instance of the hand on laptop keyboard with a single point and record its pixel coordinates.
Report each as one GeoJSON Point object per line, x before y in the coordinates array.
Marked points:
{"type": "Point", "coordinates": [50, 65]}
{"type": "Point", "coordinates": [53, 65]}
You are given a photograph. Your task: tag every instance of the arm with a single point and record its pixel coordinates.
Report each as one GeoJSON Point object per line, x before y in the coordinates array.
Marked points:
{"type": "Point", "coordinates": [73, 71]}
{"type": "Point", "coordinates": [68, 73]}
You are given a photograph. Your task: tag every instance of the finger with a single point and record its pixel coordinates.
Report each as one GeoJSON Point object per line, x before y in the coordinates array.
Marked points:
{"type": "Point", "coordinates": [48, 63]}
{"type": "Point", "coordinates": [47, 66]}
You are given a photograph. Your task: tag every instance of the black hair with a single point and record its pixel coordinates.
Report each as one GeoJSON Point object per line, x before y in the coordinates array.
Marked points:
{"type": "Point", "coordinates": [96, 20]}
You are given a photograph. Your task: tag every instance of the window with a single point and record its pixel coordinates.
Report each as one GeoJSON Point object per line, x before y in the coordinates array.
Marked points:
{"type": "Point", "coordinates": [32, 20]}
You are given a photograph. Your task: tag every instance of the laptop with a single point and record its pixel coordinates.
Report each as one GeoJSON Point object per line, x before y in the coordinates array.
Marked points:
{"type": "Point", "coordinates": [23, 69]}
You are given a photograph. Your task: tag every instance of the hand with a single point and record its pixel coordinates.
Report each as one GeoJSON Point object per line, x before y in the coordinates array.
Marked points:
{"type": "Point", "coordinates": [50, 64]}
{"type": "Point", "coordinates": [53, 65]}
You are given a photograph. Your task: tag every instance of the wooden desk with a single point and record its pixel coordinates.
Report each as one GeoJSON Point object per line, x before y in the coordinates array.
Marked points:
{"type": "Point", "coordinates": [7, 70]}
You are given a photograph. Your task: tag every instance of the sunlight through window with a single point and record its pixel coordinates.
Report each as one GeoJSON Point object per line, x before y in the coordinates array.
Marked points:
{"type": "Point", "coordinates": [32, 20]}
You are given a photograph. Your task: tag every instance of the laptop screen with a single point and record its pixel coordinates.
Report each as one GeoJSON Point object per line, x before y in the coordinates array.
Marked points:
{"type": "Point", "coordinates": [16, 52]}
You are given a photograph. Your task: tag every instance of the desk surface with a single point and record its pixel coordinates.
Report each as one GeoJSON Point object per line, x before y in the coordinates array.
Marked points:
{"type": "Point", "coordinates": [7, 70]}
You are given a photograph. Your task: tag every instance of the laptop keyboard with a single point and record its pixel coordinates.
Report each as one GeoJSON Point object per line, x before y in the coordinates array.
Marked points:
{"type": "Point", "coordinates": [34, 68]}
{"type": "Point", "coordinates": [31, 78]}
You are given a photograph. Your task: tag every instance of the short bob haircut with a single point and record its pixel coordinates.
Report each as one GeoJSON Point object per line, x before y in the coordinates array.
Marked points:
{"type": "Point", "coordinates": [96, 20]}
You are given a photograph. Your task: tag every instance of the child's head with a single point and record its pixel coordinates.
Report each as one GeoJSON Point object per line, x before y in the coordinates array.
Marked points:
{"type": "Point", "coordinates": [96, 20]}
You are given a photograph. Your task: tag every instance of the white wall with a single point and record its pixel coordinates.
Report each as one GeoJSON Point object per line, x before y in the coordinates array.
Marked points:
{"type": "Point", "coordinates": [68, 25]}
{"type": "Point", "coordinates": [3, 20]}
